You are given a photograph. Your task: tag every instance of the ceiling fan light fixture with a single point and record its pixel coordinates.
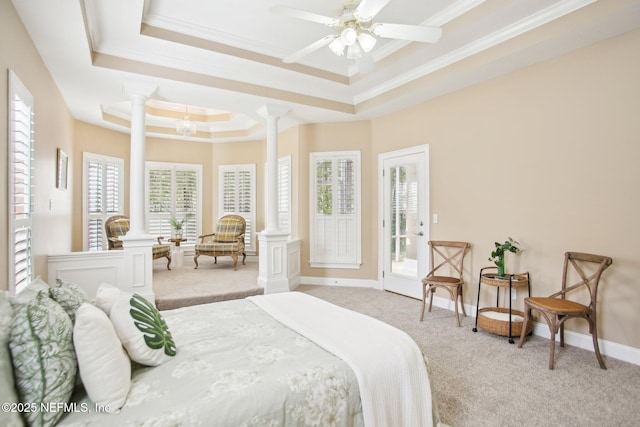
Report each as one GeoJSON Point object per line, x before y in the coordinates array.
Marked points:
{"type": "Point", "coordinates": [354, 51]}
{"type": "Point", "coordinates": [337, 46]}
{"type": "Point", "coordinates": [349, 36]}
{"type": "Point", "coordinates": [366, 41]}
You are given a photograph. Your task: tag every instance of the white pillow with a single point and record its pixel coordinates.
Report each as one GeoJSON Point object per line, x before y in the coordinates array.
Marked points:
{"type": "Point", "coordinates": [106, 295]}
{"type": "Point", "coordinates": [142, 330]}
{"type": "Point", "coordinates": [105, 369]}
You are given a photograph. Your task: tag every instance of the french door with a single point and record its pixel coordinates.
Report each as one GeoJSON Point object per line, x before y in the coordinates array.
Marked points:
{"type": "Point", "coordinates": [404, 228]}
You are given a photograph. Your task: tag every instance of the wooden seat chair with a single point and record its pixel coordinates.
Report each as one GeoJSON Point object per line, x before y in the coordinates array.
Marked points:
{"type": "Point", "coordinates": [449, 256]}
{"type": "Point", "coordinates": [118, 225]}
{"type": "Point", "coordinates": [228, 240]}
{"type": "Point", "coordinates": [556, 308]}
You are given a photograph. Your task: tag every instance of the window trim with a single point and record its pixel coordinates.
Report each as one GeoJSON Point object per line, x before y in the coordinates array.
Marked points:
{"type": "Point", "coordinates": [86, 158]}
{"type": "Point", "coordinates": [175, 166]}
{"type": "Point", "coordinates": [314, 260]}
{"type": "Point", "coordinates": [251, 167]}
{"type": "Point", "coordinates": [17, 88]}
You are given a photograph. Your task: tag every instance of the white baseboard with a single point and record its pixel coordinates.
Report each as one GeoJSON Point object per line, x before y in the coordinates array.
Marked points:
{"type": "Point", "coordinates": [576, 339]}
{"type": "Point", "coordinates": [332, 281]}
{"type": "Point", "coordinates": [607, 348]}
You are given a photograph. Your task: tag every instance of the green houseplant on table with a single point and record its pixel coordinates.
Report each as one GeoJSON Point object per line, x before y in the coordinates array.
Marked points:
{"type": "Point", "coordinates": [497, 255]}
{"type": "Point", "coordinates": [178, 224]}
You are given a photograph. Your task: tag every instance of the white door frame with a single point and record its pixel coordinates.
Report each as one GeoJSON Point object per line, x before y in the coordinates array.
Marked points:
{"type": "Point", "coordinates": [382, 157]}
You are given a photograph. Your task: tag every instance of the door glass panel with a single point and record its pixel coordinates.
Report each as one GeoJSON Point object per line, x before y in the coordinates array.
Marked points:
{"type": "Point", "coordinates": [404, 220]}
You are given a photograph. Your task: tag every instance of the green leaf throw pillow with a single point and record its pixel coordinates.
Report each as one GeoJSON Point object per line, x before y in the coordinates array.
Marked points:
{"type": "Point", "coordinates": [142, 330]}
{"type": "Point", "coordinates": [43, 358]}
{"type": "Point", "coordinates": [69, 295]}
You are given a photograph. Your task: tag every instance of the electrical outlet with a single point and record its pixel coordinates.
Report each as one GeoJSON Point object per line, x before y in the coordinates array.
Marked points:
{"type": "Point", "coordinates": [435, 218]}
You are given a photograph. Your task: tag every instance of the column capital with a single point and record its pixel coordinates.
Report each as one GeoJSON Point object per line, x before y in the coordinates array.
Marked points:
{"type": "Point", "coordinates": [140, 90]}
{"type": "Point", "coordinates": [271, 110]}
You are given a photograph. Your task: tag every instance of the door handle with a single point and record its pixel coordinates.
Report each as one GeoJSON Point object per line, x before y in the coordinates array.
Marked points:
{"type": "Point", "coordinates": [419, 234]}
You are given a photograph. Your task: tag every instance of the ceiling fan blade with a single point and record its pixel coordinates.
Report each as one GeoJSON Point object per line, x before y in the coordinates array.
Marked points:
{"type": "Point", "coordinates": [367, 9]}
{"type": "Point", "coordinates": [365, 63]}
{"type": "Point", "coordinates": [303, 14]}
{"type": "Point", "coordinates": [414, 33]}
{"type": "Point", "coordinates": [296, 56]}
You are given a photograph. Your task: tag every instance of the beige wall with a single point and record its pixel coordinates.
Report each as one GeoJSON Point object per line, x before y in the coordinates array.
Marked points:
{"type": "Point", "coordinates": [97, 140]}
{"type": "Point", "coordinates": [52, 217]}
{"type": "Point", "coordinates": [547, 155]}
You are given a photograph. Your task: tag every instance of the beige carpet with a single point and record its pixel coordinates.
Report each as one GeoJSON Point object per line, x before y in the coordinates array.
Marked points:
{"type": "Point", "coordinates": [482, 380]}
{"type": "Point", "coordinates": [209, 283]}
{"type": "Point", "coordinates": [479, 379]}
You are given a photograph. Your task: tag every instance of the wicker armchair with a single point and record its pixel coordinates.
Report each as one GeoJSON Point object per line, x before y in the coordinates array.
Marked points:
{"type": "Point", "coordinates": [118, 225]}
{"type": "Point", "coordinates": [228, 240]}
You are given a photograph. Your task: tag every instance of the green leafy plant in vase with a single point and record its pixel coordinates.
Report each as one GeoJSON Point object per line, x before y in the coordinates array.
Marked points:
{"type": "Point", "coordinates": [497, 255]}
{"type": "Point", "coordinates": [178, 224]}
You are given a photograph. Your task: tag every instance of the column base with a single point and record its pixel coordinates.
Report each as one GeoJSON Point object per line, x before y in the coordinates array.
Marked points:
{"type": "Point", "coordinates": [279, 262]}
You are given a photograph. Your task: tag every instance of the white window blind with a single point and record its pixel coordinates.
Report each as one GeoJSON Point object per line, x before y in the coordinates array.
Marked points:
{"type": "Point", "coordinates": [238, 195]}
{"type": "Point", "coordinates": [103, 197]}
{"type": "Point", "coordinates": [335, 210]}
{"type": "Point", "coordinates": [20, 168]}
{"type": "Point", "coordinates": [284, 194]}
{"type": "Point", "coordinates": [173, 191]}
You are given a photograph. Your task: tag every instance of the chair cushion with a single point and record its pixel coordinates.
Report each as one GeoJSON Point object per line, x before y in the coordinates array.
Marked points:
{"type": "Point", "coordinates": [219, 248]}
{"type": "Point", "coordinates": [228, 231]}
{"type": "Point", "coordinates": [119, 227]}
{"type": "Point", "coordinates": [161, 250]}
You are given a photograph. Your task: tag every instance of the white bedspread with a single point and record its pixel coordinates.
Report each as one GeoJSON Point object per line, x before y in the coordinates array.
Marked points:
{"type": "Point", "coordinates": [390, 368]}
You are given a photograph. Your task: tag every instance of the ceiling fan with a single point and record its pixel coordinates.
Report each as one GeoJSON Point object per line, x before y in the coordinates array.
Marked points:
{"type": "Point", "coordinates": [356, 34]}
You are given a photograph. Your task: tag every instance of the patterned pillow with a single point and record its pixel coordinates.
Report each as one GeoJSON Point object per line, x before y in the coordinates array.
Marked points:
{"type": "Point", "coordinates": [105, 369]}
{"type": "Point", "coordinates": [69, 295]}
{"type": "Point", "coordinates": [44, 363]}
{"type": "Point", "coordinates": [142, 330]}
{"type": "Point", "coordinates": [29, 293]}
{"type": "Point", "coordinates": [7, 386]}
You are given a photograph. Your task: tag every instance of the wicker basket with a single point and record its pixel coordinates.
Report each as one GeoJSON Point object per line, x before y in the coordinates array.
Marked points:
{"type": "Point", "coordinates": [501, 327]}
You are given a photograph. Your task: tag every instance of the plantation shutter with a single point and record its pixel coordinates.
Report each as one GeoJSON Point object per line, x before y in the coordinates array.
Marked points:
{"type": "Point", "coordinates": [237, 196]}
{"type": "Point", "coordinates": [173, 191]}
{"type": "Point", "coordinates": [284, 194]}
{"type": "Point", "coordinates": [335, 210]}
{"type": "Point", "coordinates": [20, 166]}
{"type": "Point", "coordinates": [103, 184]}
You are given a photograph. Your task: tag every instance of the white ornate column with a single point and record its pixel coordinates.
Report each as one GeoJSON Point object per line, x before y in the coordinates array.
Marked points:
{"type": "Point", "coordinates": [279, 263]}
{"type": "Point", "coordinates": [137, 243]}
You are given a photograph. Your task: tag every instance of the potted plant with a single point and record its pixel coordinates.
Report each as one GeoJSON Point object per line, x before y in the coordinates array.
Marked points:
{"type": "Point", "coordinates": [497, 255]}
{"type": "Point", "coordinates": [178, 224]}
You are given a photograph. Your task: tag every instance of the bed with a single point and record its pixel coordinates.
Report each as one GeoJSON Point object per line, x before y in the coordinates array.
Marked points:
{"type": "Point", "coordinates": [285, 359]}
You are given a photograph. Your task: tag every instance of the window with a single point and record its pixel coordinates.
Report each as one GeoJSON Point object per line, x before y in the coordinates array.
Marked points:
{"type": "Point", "coordinates": [174, 190]}
{"type": "Point", "coordinates": [103, 197]}
{"type": "Point", "coordinates": [238, 196]}
{"type": "Point", "coordinates": [20, 177]}
{"type": "Point", "coordinates": [335, 209]}
{"type": "Point", "coordinates": [284, 194]}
